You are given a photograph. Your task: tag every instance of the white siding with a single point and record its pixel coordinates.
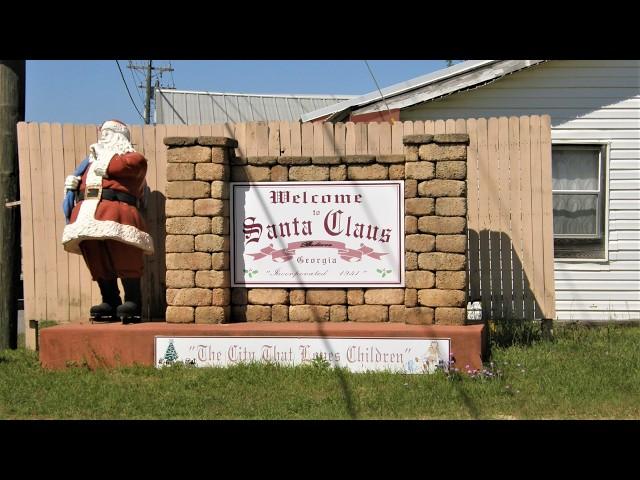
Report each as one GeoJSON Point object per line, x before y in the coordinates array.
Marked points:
{"type": "Point", "coordinates": [589, 100]}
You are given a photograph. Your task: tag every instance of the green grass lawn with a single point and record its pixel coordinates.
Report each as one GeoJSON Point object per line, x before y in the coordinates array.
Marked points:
{"type": "Point", "coordinates": [583, 373]}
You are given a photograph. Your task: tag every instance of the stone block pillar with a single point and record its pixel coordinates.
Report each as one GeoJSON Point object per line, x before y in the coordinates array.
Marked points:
{"type": "Point", "coordinates": [197, 242]}
{"type": "Point", "coordinates": [436, 227]}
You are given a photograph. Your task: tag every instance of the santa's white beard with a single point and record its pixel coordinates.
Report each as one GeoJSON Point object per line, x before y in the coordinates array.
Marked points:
{"type": "Point", "coordinates": [117, 146]}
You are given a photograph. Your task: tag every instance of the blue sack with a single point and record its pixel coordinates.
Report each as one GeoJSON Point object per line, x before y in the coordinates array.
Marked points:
{"type": "Point", "coordinates": [70, 197]}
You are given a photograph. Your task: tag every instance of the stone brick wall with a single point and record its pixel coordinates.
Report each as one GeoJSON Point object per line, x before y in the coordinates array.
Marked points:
{"type": "Point", "coordinates": [197, 242]}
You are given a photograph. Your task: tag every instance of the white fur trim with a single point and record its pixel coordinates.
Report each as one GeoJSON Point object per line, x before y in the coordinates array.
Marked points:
{"type": "Point", "coordinates": [93, 229]}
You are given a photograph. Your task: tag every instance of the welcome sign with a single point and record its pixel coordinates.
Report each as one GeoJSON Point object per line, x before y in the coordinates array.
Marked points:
{"type": "Point", "coordinates": [317, 234]}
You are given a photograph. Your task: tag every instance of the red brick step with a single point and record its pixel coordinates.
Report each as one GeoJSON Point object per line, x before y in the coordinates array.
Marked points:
{"type": "Point", "coordinates": [114, 344]}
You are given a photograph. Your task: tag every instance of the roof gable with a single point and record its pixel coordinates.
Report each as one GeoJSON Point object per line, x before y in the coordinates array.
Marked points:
{"type": "Point", "coordinates": [426, 87]}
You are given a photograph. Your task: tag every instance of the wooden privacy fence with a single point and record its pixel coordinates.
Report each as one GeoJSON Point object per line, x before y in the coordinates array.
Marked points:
{"type": "Point", "coordinates": [509, 203]}
{"type": "Point", "coordinates": [510, 216]}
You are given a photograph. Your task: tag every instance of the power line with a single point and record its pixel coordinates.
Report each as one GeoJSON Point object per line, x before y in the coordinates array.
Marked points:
{"type": "Point", "coordinates": [127, 87]}
{"type": "Point", "coordinates": [378, 86]}
{"type": "Point", "coordinates": [134, 77]}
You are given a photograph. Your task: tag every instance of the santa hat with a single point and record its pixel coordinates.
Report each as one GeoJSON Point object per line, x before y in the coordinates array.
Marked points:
{"type": "Point", "coordinates": [116, 126]}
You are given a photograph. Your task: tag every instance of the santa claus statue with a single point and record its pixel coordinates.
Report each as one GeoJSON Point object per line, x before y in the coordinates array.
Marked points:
{"type": "Point", "coordinates": [102, 208]}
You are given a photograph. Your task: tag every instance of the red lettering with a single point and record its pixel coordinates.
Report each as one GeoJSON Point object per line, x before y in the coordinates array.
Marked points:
{"type": "Point", "coordinates": [250, 229]}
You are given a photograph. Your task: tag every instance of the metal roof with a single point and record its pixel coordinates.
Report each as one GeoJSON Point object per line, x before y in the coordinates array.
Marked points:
{"type": "Point", "coordinates": [197, 108]}
{"type": "Point", "coordinates": [423, 88]}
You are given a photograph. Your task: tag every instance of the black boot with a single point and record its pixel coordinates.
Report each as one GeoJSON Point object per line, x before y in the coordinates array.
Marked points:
{"type": "Point", "coordinates": [106, 311]}
{"type": "Point", "coordinates": [130, 310]}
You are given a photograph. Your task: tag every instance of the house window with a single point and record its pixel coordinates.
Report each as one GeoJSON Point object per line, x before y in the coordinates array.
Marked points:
{"type": "Point", "coordinates": [579, 201]}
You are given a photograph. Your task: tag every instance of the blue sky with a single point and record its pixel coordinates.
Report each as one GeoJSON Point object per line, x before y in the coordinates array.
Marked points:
{"type": "Point", "coordinates": [91, 91]}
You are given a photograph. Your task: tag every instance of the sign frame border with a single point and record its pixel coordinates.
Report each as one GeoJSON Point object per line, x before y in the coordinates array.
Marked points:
{"type": "Point", "coordinates": [449, 341]}
{"type": "Point", "coordinates": [296, 285]}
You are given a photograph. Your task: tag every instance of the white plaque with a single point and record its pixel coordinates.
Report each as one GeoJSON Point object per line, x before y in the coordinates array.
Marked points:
{"type": "Point", "coordinates": [317, 234]}
{"type": "Point", "coordinates": [398, 354]}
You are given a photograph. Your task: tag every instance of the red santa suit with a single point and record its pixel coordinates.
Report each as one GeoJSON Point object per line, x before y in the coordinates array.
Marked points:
{"type": "Point", "coordinates": [111, 234]}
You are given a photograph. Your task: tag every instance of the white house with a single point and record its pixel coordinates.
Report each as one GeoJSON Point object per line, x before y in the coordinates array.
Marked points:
{"type": "Point", "coordinates": [595, 118]}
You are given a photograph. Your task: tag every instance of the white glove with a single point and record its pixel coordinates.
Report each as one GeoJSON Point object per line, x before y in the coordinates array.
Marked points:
{"type": "Point", "coordinates": [101, 168]}
{"type": "Point", "coordinates": [98, 151]}
{"type": "Point", "coordinates": [71, 183]}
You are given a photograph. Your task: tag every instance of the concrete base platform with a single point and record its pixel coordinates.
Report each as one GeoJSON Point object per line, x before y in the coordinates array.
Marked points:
{"type": "Point", "coordinates": [114, 344]}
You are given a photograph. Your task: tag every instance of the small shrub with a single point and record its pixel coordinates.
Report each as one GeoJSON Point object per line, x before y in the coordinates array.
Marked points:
{"type": "Point", "coordinates": [512, 332]}
{"type": "Point", "coordinates": [320, 362]}
{"type": "Point", "coordinates": [46, 323]}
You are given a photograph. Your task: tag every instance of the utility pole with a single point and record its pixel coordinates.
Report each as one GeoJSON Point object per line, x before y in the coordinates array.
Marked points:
{"type": "Point", "coordinates": [12, 88]}
{"type": "Point", "coordinates": [147, 103]}
{"type": "Point", "coordinates": [149, 69]}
